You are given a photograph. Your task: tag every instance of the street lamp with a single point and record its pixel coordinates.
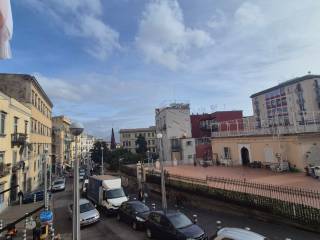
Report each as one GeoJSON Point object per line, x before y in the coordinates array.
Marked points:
{"type": "Point", "coordinates": [102, 148]}
{"type": "Point", "coordinates": [76, 129]}
{"type": "Point", "coordinates": [45, 172]}
{"type": "Point", "coordinates": [163, 185]}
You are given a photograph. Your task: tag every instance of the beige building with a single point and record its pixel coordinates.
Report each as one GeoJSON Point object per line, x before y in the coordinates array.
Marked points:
{"type": "Point", "coordinates": [174, 123]}
{"type": "Point", "coordinates": [14, 149]}
{"type": "Point", "coordinates": [294, 102]}
{"type": "Point", "coordinates": [61, 141]}
{"type": "Point", "coordinates": [299, 150]}
{"type": "Point", "coordinates": [128, 138]}
{"type": "Point", "coordinates": [26, 89]}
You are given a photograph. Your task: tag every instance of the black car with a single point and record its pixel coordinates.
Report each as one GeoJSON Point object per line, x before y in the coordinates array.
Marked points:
{"type": "Point", "coordinates": [134, 213]}
{"type": "Point", "coordinates": [173, 225]}
{"type": "Point", "coordinates": [36, 195]}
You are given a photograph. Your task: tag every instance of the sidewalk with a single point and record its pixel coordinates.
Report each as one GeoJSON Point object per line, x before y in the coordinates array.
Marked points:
{"type": "Point", "coordinates": [15, 212]}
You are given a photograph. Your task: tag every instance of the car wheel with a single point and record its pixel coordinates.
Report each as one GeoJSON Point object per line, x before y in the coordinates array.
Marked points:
{"type": "Point", "coordinates": [134, 225]}
{"type": "Point", "coordinates": [118, 217]}
{"type": "Point", "coordinates": [149, 233]}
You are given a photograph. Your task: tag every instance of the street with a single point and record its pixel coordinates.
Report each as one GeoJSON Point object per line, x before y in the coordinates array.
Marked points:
{"type": "Point", "coordinates": [110, 228]}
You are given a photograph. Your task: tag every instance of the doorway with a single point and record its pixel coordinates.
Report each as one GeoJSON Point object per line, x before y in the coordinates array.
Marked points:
{"type": "Point", "coordinates": [245, 156]}
{"type": "Point", "coordinates": [13, 191]}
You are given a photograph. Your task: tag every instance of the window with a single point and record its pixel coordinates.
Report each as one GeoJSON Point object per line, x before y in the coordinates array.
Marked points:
{"type": "Point", "coordinates": [2, 122]}
{"type": "Point", "coordinates": [1, 158]}
{"type": "Point", "coordinates": [15, 124]}
{"type": "Point", "coordinates": [1, 195]}
{"type": "Point", "coordinates": [32, 97]}
{"type": "Point", "coordinates": [189, 156]}
{"type": "Point", "coordinates": [227, 153]}
{"type": "Point", "coordinates": [189, 143]}
{"type": "Point", "coordinates": [25, 127]}
{"type": "Point", "coordinates": [14, 157]}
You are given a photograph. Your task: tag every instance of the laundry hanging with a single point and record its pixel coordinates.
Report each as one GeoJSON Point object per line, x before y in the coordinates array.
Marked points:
{"type": "Point", "coordinates": [6, 29]}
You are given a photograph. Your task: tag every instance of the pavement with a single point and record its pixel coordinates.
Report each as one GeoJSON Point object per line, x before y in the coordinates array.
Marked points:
{"type": "Point", "coordinates": [12, 213]}
{"type": "Point", "coordinates": [258, 175]}
{"type": "Point", "coordinates": [110, 228]}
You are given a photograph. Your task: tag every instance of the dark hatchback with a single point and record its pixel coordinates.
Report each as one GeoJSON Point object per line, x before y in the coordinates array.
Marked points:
{"type": "Point", "coordinates": [133, 212]}
{"type": "Point", "coordinates": [173, 225]}
{"type": "Point", "coordinates": [29, 197]}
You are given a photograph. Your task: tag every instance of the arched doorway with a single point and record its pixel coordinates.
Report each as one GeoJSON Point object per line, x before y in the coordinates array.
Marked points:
{"type": "Point", "coordinates": [13, 191]}
{"type": "Point", "coordinates": [245, 156]}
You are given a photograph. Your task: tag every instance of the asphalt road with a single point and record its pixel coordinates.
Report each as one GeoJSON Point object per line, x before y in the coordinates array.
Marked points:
{"type": "Point", "coordinates": [109, 228]}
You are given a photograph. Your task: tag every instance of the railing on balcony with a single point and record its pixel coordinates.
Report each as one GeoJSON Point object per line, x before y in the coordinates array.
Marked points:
{"type": "Point", "coordinates": [4, 169]}
{"type": "Point", "coordinates": [302, 122]}
{"type": "Point", "coordinates": [18, 139]}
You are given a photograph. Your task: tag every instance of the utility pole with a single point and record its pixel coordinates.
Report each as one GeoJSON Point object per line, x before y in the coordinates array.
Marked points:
{"type": "Point", "coordinates": [102, 171]}
{"type": "Point", "coordinates": [76, 129]}
{"type": "Point", "coordinates": [45, 172]}
{"type": "Point", "coordinates": [163, 184]}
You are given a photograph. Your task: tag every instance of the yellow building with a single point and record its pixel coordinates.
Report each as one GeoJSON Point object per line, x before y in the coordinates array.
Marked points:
{"type": "Point", "coordinates": [61, 141]}
{"type": "Point", "coordinates": [299, 150]}
{"type": "Point", "coordinates": [14, 149]}
{"type": "Point", "coordinates": [128, 138]}
{"type": "Point", "coordinates": [26, 89]}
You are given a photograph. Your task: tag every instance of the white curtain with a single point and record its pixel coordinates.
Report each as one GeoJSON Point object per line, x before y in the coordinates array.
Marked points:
{"type": "Point", "coordinates": [6, 28]}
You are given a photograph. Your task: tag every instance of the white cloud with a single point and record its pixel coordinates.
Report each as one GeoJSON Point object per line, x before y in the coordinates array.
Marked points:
{"type": "Point", "coordinates": [163, 37]}
{"type": "Point", "coordinates": [248, 15]}
{"type": "Point", "coordinates": [81, 18]}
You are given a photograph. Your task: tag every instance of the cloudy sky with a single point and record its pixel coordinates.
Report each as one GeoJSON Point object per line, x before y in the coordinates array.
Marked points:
{"type": "Point", "coordinates": [110, 63]}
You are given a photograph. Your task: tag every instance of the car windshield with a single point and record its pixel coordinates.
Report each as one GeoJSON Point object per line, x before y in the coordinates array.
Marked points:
{"type": "Point", "coordinates": [86, 207]}
{"type": "Point", "coordinates": [140, 207]}
{"type": "Point", "coordinates": [58, 182]}
{"type": "Point", "coordinates": [179, 220]}
{"type": "Point", "coordinates": [115, 193]}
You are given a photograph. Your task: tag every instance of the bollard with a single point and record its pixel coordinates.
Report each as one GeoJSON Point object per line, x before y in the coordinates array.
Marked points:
{"type": "Point", "coordinates": [1, 227]}
{"type": "Point", "coordinates": [52, 234]}
{"type": "Point", "coordinates": [153, 206]}
{"type": "Point", "coordinates": [195, 218]}
{"type": "Point", "coordinates": [247, 228]}
{"type": "Point", "coordinates": [34, 198]}
{"type": "Point", "coordinates": [219, 226]}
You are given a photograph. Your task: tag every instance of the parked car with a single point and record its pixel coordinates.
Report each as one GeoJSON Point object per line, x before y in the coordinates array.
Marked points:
{"type": "Point", "coordinates": [134, 213]}
{"type": "Point", "coordinates": [237, 234]}
{"type": "Point", "coordinates": [88, 213]}
{"type": "Point", "coordinates": [173, 225]}
{"type": "Point", "coordinates": [29, 197]}
{"type": "Point", "coordinates": [58, 185]}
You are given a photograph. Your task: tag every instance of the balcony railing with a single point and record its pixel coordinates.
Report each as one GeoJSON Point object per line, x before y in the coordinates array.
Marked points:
{"type": "Point", "coordinates": [18, 139]}
{"type": "Point", "coordinates": [4, 169]}
{"type": "Point", "coordinates": [302, 122]}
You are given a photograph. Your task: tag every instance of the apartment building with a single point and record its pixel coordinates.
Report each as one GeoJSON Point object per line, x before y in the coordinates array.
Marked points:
{"type": "Point", "coordinates": [86, 144]}
{"type": "Point", "coordinates": [128, 138]}
{"type": "Point", "coordinates": [14, 149]}
{"type": "Point", "coordinates": [26, 90]}
{"type": "Point", "coordinates": [61, 141]}
{"type": "Point", "coordinates": [294, 102]}
{"type": "Point", "coordinates": [173, 122]}
{"type": "Point", "coordinates": [203, 124]}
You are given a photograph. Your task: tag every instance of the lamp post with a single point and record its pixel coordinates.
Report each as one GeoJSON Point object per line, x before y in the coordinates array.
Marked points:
{"type": "Point", "coordinates": [45, 172]}
{"type": "Point", "coordinates": [76, 129]}
{"type": "Point", "coordinates": [163, 185]}
{"type": "Point", "coordinates": [102, 148]}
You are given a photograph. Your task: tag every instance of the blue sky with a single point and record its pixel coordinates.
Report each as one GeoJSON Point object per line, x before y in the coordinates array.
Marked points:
{"type": "Point", "coordinates": [111, 63]}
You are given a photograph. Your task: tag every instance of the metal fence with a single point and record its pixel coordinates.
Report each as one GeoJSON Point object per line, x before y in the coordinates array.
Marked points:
{"type": "Point", "coordinates": [299, 205]}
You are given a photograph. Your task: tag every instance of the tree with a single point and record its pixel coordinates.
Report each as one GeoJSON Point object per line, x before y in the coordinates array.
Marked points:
{"type": "Point", "coordinates": [141, 144]}
{"type": "Point", "coordinates": [113, 141]}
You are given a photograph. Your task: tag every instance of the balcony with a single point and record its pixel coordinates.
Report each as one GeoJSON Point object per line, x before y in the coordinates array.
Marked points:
{"type": "Point", "coordinates": [4, 169]}
{"type": "Point", "coordinates": [18, 139]}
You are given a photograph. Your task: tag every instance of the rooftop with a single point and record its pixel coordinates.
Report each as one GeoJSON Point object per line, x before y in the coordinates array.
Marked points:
{"type": "Point", "coordinates": [286, 83]}
{"type": "Point", "coordinates": [33, 80]}
{"type": "Point", "coordinates": [133, 130]}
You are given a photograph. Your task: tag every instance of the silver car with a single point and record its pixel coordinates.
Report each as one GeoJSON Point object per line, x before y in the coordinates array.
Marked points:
{"type": "Point", "coordinates": [237, 234]}
{"type": "Point", "coordinates": [58, 185]}
{"type": "Point", "coordinates": [88, 213]}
